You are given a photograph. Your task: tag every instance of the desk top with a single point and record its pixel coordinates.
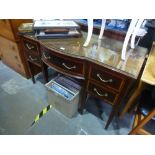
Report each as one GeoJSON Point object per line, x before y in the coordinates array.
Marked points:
{"type": "Point", "coordinates": [148, 75]}
{"type": "Point", "coordinates": [106, 52]}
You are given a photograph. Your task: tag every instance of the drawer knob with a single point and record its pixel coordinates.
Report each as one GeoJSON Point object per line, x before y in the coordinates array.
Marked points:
{"type": "Point", "coordinates": [32, 59]}
{"type": "Point", "coordinates": [13, 48]}
{"type": "Point", "coordinates": [73, 67]}
{"type": "Point", "coordinates": [30, 47]}
{"type": "Point", "coordinates": [105, 94]}
{"type": "Point", "coordinates": [16, 57]}
{"type": "Point", "coordinates": [46, 57]}
{"type": "Point", "coordinates": [105, 81]}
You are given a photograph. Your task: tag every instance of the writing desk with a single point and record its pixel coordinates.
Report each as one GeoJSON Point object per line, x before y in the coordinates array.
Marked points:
{"type": "Point", "coordinates": [99, 65]}
{"type": "Point", "coordinates": [147, 78]}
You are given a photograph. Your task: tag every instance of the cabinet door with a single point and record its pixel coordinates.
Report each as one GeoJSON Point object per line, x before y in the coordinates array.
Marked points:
{"type": "Point", "coordinates": [10, 54]}
{"type": "Point", "coordinates": [5, 29]}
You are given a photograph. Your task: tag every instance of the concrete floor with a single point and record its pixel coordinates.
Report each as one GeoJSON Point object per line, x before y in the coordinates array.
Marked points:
{"type": "Point", "coordinates": [21, 101]}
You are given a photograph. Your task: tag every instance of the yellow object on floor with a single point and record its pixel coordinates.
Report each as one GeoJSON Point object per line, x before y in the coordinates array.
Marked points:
{"type": "Point", "coordinates": [43, 112]}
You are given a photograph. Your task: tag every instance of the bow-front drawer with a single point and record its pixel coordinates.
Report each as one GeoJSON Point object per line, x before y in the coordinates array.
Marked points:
{"type": "Point", "coordinates": [31, 46]}
{"type": "Point", "coordinates": [107, 78]}
{"type": "Point", "coordinates": [102, 93]}
{"type": "Point", "coordinates": [63, 63]}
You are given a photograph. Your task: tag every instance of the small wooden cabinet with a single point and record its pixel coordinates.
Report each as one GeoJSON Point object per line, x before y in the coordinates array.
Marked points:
{"type": "Point", "coordinates": [11, 51]}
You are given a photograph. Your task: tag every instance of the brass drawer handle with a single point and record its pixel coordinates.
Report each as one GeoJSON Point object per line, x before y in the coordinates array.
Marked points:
{"type": "Point", "coordinates": [106, 81]}
{"type": "Point", "coordinates": [32, 59]}
{"type": "Point", "coordinates": [73, 67]}
{"type": "Point", "coordinates": [30, 47]}
{"type": "Point", "coordinates": [105, 94]}
{"type": "Point", "coordinates": [46, 57]}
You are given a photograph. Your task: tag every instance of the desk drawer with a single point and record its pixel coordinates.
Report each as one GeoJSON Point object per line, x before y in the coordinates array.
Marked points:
{"type": "Point", "coordinates": [31, 46]}
{"type": "Point", "coordinates": [64, 63]}
{"type": "Point", "coordinates": [34, 58]}
{"type": "Point", "coordinates": [107, 78]}
{"type": "Point", "coordinates": [102, 92]}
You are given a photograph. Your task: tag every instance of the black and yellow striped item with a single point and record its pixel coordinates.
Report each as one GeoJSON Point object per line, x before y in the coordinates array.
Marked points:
{"type": "Point", "coordinates": [43, 112]}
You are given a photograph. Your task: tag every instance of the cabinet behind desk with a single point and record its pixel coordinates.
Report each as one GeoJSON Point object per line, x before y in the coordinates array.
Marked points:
{"type": "Point", "coordinates": [11, 51]}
